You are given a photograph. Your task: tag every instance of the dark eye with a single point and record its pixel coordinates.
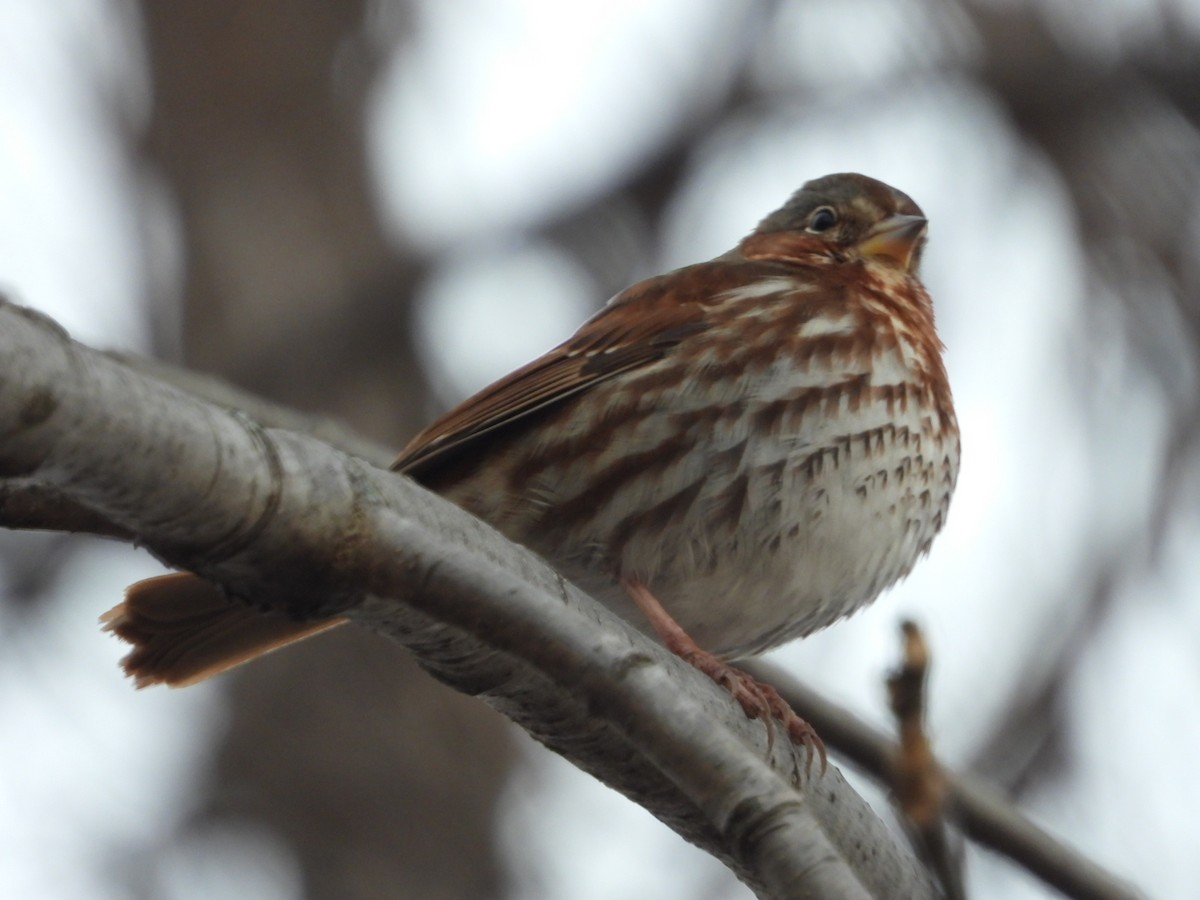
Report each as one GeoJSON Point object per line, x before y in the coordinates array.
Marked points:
{"type": "Point", "coordinates": [822, 220]}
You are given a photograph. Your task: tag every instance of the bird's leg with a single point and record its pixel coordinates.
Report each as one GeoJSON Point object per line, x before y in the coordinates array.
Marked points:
{"type": "Point", "coordinates": [758, 700]}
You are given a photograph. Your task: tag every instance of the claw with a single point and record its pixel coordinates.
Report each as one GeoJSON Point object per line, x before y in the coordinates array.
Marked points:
{"type": "Point", "coordinates": [758, 700]}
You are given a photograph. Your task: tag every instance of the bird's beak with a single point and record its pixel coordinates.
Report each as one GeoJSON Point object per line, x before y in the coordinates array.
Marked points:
{"type": "Point", "coordinates": [896, 238]}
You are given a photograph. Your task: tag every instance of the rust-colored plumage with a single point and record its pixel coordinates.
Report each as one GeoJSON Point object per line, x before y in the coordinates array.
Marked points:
{"type": "Point", "coordinates": [751, 447]}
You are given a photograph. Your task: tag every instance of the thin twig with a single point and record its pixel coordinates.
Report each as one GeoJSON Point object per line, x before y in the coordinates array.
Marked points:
{"type": "Point", "coordinates": [918, 784]}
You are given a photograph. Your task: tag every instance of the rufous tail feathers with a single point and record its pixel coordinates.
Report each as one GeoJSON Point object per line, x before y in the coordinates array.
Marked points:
{"type": "Point", "coordinates": [183, 630]}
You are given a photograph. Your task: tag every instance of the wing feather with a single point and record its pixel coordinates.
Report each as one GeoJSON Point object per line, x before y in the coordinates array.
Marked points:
{"type": "Point", "coordinates": [639, 326]}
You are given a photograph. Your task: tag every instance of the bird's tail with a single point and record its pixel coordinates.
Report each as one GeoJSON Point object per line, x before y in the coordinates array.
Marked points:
{"type": "Point", "coordinates": [183, 630]}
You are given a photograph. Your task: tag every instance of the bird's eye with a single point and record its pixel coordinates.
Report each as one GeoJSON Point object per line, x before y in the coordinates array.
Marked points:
{"type": "Point", "coordinates": [822, 220]}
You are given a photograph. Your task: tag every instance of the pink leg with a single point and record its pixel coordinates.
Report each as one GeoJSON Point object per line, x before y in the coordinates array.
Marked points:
{"type": "Point", "coordinates": [758, 700]}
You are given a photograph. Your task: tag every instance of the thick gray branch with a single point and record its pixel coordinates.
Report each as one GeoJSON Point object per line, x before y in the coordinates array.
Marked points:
{"type": "Point", "coordinates": [284, 519]}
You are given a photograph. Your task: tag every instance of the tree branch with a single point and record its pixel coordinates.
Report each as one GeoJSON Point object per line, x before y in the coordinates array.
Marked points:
{"type": "Point", "coordinates": [984, 815]}
{"type": "Point", "coordinates": [285, 520]}
{"type": "Point", "coordinates": [36, 507]}
{"type": "Point", "coordinates": [273, 415]}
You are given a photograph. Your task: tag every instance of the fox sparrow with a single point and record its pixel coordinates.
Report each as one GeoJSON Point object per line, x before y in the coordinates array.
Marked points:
{"type": "Point", "coordinates": [736, 453]}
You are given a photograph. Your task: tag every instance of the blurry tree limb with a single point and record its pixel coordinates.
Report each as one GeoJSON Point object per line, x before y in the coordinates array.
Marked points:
{"type": "Point", "coordinates": [984, 815]}
{"type": "Point", "coordinates": [266, 412]}
{"type": "Point", "coordinates": [289, 521]}
{"type": "Point", "coordinates": [268, 261]}
{"type": "Point", "coordinates": [35, 507]}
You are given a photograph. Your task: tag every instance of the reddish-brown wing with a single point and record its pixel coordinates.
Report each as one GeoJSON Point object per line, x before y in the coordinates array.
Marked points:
{"type": "Point", "coordinates": [642, 324]}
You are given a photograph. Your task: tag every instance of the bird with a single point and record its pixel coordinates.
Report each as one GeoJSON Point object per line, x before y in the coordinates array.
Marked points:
{"type": "Point", "coordinates": [729, 456]}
